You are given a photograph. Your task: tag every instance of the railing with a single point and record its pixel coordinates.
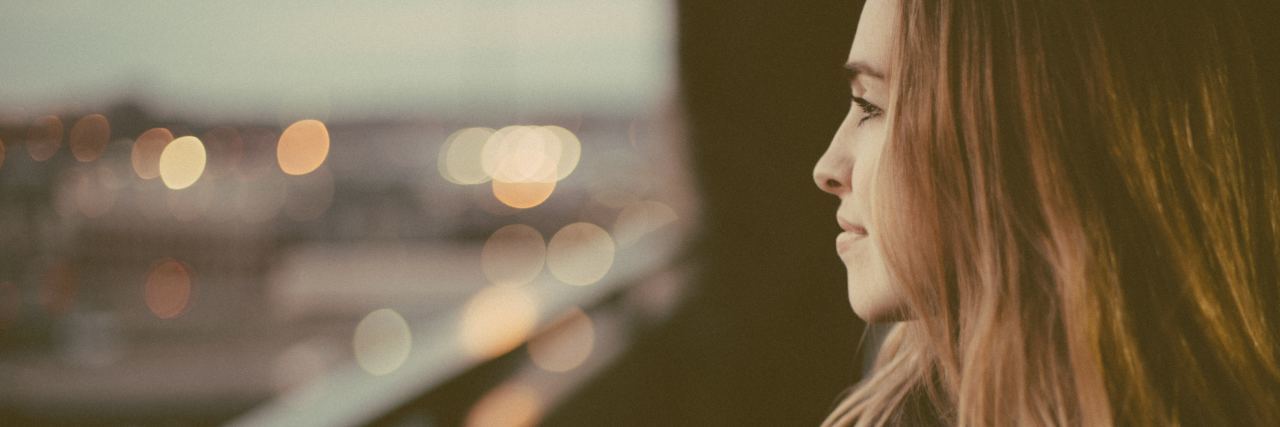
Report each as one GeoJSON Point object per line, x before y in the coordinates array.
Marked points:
{"type": "Point", "coordinates": [643, 285]}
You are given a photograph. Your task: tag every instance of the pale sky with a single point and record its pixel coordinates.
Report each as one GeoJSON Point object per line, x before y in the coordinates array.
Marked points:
{"type": "Point", "coordinates": [241, 59]}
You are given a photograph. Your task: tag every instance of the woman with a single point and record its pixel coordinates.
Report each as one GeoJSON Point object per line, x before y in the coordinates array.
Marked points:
{"type": "Point", "coordinates": [1073, 207]}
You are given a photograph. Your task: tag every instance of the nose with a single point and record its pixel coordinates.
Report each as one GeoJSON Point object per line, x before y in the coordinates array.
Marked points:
{"type": "Point", "coordinates": [834, 170]}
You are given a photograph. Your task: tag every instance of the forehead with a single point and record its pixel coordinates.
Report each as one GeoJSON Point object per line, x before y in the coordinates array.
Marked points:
{"type": "Point", "coordinates": [877, 27]}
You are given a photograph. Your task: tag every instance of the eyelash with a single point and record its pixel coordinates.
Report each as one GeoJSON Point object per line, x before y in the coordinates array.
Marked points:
{"type": "Point", "coordinates": [869, 110]}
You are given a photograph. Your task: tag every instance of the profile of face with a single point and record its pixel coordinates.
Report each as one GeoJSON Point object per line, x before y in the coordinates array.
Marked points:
{"type": "Point", "coordinates": [851, 161]}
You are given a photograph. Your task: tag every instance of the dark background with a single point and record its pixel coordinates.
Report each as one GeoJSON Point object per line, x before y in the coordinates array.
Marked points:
{"type": "Point", "coordinates": [768, 338]}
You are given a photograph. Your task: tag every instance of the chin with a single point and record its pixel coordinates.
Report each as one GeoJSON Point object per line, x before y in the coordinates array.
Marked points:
{"type": "Point", "coordinates": [875, 303]}
{"type": "Point", "coordinates": [874, 313]}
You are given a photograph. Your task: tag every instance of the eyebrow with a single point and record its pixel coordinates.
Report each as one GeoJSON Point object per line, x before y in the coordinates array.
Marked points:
{"type": "Point", "coordinates": [857, 68]}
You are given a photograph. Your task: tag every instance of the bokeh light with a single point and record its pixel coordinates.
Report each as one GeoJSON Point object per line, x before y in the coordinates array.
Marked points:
{"type": "Point", "coordinates": [580, 254]}
{"type": "Point", "coordinates": [525, 162]}
{"type": "Point", "coordinates": [89, 137]}
{"type": "Point", "coordinates": [521, 154]}
{"type": "Point", "coordinates": [641, 218]}
{"type": "Point", "coordinates": [514, 254]}
{"type": "Point", "coordinates": [508, 405]}
{"type": "Point", "coordinates": [175, 227]}
{"type": "Point", "coordinates": [382, 342]}
{"type": "Point", "coordinates": [491, 150]}
{"type": "Point", "coordinates": [303, 147]}
{"type": "Point", "coordinates": [459, 160]}
{"type": "Point", "coordinates": [182, 162]}
{"type": "Point", "coordinates": [566, 345]}
{"type": "Point", "coordinates": [496, 320]}
{"type": "Point", "coordinates": [523, 195]}
{"type": "Point", "coordinates": [570, 151]}
{"type": "Point", "coordinates": [44, 138]}
{"type": "Point", "coordinates": [146, 152]}
{"type": "Point", "coordinates": [167, 290]}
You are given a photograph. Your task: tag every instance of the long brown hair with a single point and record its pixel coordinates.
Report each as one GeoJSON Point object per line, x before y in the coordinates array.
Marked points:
{"type": "Point", "coordinates": [1085, 218]}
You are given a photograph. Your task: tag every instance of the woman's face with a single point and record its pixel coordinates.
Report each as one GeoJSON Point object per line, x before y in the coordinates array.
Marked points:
{"type": "Point", "coordinates": [847, 168]}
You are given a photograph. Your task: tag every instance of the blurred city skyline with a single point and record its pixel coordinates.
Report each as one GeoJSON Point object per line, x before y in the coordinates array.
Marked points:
{"type": "Point", "coordinates": [337, 59]}
{"type": "Point", "coordinates": [212, 209]}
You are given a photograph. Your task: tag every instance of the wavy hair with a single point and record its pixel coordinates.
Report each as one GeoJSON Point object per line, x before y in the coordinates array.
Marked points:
{"type": "Point", "coordinates": [1085, 222]}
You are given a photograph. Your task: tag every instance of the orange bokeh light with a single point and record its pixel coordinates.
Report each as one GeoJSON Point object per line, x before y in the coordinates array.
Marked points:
{"type": "Point", "coordinates": [509, 405]}
{"type": "Point", "coordinates": [89, 137]}
{"type": "Point", "coordinates": [496, 320]}
{"type": "Point", "coordinates": [523, 195]}
{"type": "Point", "coordinates": [303, 147]}
{"type": "Point", "coordinates": [146, 152]}
{"type": "Point", "coordinates": [168, 288]}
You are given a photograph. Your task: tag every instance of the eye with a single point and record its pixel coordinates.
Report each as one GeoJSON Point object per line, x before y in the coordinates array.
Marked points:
{"type": "Point", "coordinates": [869, 110]}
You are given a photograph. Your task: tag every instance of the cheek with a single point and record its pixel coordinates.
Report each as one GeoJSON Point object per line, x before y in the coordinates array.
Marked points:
{"type": "Point", "coordinates": [866, 167]}
{"type": "Point", "coordinates": [871, 295]}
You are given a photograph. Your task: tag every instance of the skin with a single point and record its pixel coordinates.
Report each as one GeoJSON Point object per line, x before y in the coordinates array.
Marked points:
{"type": "Point", "coordinates": [851, 161]}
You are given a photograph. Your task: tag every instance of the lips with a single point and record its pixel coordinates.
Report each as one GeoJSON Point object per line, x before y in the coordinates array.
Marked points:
{"type": "Point", "coordinates": [853, 232]}
{"type": "Point", "coordinates": [846, 240]}
{"type": "Point", "coordinates": [851, 227]}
